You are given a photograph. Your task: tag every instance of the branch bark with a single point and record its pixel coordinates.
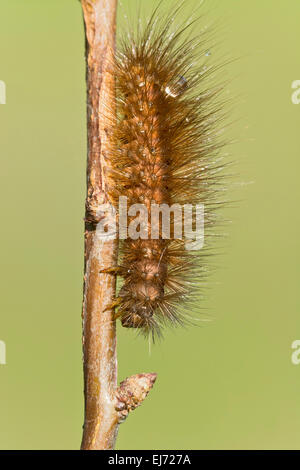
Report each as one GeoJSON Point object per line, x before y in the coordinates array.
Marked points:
{"type": "Point", "coordinates": [99, 329]}
{"type": "Point", "coordinates": [106, 406]}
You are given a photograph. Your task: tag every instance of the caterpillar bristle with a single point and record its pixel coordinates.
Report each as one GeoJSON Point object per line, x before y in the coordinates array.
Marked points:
{"type": "Point", "coordinates": [167, 147]}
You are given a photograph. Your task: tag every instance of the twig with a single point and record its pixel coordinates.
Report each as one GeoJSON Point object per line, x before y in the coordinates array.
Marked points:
{"type": "Point", "coordinates": [105, 404]}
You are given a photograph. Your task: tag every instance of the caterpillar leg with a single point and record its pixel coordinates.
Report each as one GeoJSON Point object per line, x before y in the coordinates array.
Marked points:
{"type": "Point", "coordinates": [115, 303]}
{"type": "Point", "coordinates": [113, 270]}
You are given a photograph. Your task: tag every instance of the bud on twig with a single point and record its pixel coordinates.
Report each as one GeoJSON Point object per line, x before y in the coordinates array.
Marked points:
{"type": "Point", "coordinates": [132, 392]}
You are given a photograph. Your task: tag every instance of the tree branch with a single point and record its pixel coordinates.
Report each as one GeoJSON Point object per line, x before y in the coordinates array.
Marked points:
{"type": "Point", "coordinates": [99, 329]}
{"type": "Point", "coordinates": [106, 406]}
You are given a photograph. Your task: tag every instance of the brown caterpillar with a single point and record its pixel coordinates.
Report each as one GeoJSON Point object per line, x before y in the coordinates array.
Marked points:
{"type": "Point", "coordinates": [166, 154]}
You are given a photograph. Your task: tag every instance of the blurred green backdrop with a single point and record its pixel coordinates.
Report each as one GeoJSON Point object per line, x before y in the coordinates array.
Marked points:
{"type": "Point", "coordinates": [230, 384]}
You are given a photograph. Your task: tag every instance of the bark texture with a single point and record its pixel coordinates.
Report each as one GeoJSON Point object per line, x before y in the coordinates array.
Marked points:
{"type": "Point", "coordinates": [99, 329]}
{"type": "Point", "coordinates": [106, 405]}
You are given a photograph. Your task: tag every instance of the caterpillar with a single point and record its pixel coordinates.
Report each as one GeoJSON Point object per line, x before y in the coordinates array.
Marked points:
{"type": "Point", "coordinates": [166, 153]}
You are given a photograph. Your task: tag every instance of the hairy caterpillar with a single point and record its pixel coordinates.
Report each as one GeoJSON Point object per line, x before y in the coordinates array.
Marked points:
{"type": "Point", "coordinates": [166, 154]}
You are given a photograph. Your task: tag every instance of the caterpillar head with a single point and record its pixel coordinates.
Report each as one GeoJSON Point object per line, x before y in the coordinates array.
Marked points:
{"type": "Point", "coordinates": [139, 307]}
{"type": "Point", "coordinates": [137, 317]}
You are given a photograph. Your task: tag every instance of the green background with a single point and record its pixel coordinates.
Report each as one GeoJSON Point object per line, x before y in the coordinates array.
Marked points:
{"type": "Point", "coordinates": [230, 384]}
